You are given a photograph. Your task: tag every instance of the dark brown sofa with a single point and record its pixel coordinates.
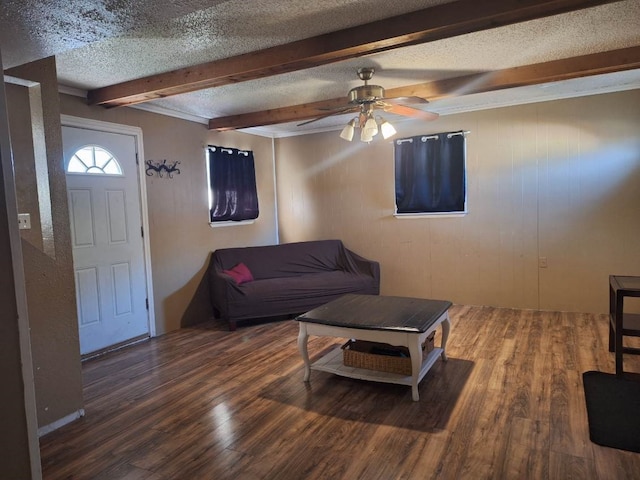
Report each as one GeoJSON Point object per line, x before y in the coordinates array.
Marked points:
{"type": "Point", "coordinates": [288, 279]}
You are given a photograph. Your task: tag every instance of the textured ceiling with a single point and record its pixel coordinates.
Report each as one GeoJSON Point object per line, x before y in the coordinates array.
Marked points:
{"type": "Point", "coordinates": [99, 43]}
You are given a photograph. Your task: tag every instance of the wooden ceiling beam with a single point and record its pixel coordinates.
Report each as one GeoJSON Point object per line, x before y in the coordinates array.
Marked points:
{"type": "Point", "coordinates": [575, 67]}
{"type": "Point", "coordinates": [434, 23]}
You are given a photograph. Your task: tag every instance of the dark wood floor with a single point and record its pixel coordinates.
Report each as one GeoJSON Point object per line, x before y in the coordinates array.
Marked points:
{"type": "Point", "coordinates": [205, 403]}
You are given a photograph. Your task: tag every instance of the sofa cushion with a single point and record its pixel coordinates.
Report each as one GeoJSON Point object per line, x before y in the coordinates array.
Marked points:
{"type": "Point", "coordinates": [285, 295]}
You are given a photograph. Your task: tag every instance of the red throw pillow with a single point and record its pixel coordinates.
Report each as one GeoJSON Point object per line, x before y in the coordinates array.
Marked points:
{"type": "Point", "coordinates": [240, 274]}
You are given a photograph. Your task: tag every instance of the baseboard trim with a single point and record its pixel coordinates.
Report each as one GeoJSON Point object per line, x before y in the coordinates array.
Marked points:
{"type": "Point", "coordinates": [72, 417]}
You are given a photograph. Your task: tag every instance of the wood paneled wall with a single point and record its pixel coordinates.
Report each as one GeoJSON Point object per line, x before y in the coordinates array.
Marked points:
{"type": "Point", "coordinates": [559, 180]}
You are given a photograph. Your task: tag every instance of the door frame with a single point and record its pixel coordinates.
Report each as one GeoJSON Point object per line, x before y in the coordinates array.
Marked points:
{"type": "Point", "coordinates": [136, 132]}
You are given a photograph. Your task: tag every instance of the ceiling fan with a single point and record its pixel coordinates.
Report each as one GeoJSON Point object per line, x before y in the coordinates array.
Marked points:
{"type": "Point", "coordinates": [365, 100]}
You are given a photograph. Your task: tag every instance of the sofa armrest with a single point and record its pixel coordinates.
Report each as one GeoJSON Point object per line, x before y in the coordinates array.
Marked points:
{"type": "Point", "coordinates": [221, 286]}
{"type": "Point", "coordinates": [366, 266]}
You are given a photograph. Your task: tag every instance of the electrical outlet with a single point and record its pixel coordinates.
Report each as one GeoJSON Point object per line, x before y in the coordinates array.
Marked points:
{"type": "Point", "coordinates": [542, 262]}
{"type": "Point", "coordinates": [24, 221]}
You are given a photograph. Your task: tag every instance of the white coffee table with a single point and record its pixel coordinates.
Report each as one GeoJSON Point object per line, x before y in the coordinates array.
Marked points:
{"type": "Point", "coordinates": [400, 321]}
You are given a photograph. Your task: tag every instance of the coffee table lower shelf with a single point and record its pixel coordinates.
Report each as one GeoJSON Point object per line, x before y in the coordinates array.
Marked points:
{"type": "Point", "coordinates": [332, 362]}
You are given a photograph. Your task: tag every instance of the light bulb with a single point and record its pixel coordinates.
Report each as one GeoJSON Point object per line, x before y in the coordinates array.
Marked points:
{"type": "Point", "coordinates": [387, 129]}
{"type": "Point", "coordinates": [348, 131]}
{"type": "Point", "coordinates": [370, 127]}
{"type": "Point", "coordinates": [365, 135]}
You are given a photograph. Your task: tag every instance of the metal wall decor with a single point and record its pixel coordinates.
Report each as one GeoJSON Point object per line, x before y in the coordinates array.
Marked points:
{"type": "Point", "coordinates": [159, 168]}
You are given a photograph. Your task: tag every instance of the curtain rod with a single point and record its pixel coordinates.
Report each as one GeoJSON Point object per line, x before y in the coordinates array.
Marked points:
{"type": "Point", "coordinates": [229, 150]}
{"type": "Point", "coordinates": [464, 133]}
{"type": "Point", "coordinates": [433, 137]}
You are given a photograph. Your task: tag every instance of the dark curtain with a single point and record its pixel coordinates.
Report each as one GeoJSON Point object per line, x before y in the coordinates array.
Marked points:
{"type": "Point", "coordinates": [430, 174]}
{"type": "Point", "coordinates": [233, 185]}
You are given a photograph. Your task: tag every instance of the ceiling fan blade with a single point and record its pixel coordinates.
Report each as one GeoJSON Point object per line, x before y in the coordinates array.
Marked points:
{"type": "Point", "coordinates": [405, 100]}
{"type": "Point", "coordinates": [344, 110]}
{"type": "Point", "coordinates": [410, 112]}
{"type": "Point", "coordinates": [334, 109]}
{"type": "Point", "coordinates": [408, 74]}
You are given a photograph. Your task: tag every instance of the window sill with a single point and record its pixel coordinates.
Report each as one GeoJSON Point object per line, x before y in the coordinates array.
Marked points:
{"type": "Point", "coordinates": [230, 223]}
{"type": "Point", "coordinates": [430, 215]}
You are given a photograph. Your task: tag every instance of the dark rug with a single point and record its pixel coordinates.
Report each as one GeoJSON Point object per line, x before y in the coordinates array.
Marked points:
{"type": "Point", "coordinates": [613, 409]}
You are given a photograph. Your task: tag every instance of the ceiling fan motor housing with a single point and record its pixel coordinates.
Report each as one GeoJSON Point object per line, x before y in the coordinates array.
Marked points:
{"type": "Point", "coordinates": [366, 94]}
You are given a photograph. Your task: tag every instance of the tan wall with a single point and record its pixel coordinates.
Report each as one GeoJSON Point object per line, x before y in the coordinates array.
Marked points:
{"type": "Point", "coordinates": [559, 180]}
{"type": "Point", "coordinates": [181, 238]}
{"type": "Point", "coordinates": [49, 276]}
{"type": "Point", "coordinates": [25, 172]}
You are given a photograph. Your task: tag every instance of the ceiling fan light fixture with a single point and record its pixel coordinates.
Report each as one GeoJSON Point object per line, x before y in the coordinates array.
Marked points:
{"type": "Point", "coordinates": [386, 129]}
{"type": "Point", "coordinates": [369, 129]}
{"type": "Point", "coordinates": [348, 131]}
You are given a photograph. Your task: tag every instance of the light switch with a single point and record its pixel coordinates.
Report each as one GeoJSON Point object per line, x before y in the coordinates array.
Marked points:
{"type": "Point", "coordinates": [24, 221]}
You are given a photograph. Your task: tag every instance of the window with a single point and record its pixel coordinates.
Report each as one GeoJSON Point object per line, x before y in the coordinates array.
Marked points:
{"type": "Point", "coordinates": [94, 160]}
{"type": "Point", "coordinates": [430, 174]}
{"type": "Point", "coordinates": [232, 185]}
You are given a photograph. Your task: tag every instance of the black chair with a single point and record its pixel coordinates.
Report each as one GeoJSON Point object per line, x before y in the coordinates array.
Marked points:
{"type": "Point", "coordinates": [622, 324]}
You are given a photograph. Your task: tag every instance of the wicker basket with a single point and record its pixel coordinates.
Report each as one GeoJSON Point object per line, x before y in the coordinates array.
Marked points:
{"type": "Point", "coordinates": [381, 356]}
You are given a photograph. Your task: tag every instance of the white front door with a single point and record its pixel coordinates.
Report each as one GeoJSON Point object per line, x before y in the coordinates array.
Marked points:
{"type": "Point", "coordinates": [106, 236]}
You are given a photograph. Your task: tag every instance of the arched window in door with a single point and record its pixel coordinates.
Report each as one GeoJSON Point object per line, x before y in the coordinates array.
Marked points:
{"type": "Point", "coordinates": [94, 159]}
